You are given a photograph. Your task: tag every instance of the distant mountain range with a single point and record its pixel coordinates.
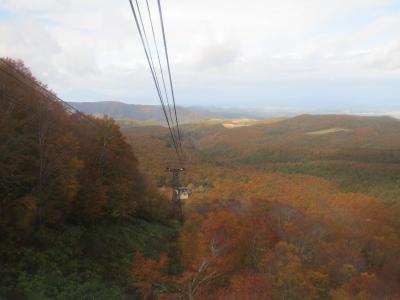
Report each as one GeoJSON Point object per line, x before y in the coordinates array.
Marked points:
{"type": "Point", "coordinates": [154, 113]}
{"type": "Point", "coordinates": [119, 110]}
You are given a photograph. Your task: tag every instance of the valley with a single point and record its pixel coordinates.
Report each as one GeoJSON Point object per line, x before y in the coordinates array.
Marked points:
{"type": "Point", "coordinates": [365, 158]}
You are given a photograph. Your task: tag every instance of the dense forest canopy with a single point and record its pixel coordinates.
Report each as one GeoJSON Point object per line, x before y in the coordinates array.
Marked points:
{"type": "Point", "coordinates": [58, 165]}
{"type": "Point", "coordinates": [279, 213]}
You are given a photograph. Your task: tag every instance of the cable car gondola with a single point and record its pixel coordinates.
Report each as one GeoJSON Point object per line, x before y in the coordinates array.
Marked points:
{"type": "Point", "coordinates": [183, 193]}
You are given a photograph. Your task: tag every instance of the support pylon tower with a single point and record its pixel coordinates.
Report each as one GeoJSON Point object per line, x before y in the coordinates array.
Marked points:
{"type": "Point", "coordinates": [175, 184]}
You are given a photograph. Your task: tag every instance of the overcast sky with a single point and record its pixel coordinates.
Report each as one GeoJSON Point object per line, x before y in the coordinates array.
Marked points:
{"type": "Point", "coordinates": [301, 54]}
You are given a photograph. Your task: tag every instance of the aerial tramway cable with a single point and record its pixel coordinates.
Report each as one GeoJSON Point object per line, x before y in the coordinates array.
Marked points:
{"type": "Point", "coordinates": [161, 69]}
{"type": "Point", "coordinates": [21, 78]}
{"type": "Point", "coordinates": [143, 37]}
{"type": "Point", "coordinates": [170, 115]}
{"type": "Point", "coordinates": [152, 67]}
{"type": "Point", "coordinates": [180, 193]}
{"type": "Point", "coordinates": [169, 70]}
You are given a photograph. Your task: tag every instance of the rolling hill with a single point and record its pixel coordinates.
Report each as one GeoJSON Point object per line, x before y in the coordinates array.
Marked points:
{"type": "Point", "coordinates": [305, 135]}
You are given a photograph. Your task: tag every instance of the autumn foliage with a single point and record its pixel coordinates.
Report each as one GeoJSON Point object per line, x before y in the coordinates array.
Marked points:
{"type": "Point", "coordinates": [254, 234]}
{"type": "Point", "coordinates": [269, 250]}
{"type": "Point", "coordinates": [56, 165]}
{"type": "Point", "coordinates": [264, 221]}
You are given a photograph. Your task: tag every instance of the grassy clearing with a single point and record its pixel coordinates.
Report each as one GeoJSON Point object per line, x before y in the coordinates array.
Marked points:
{"type": "Point", "coordinates": [249, 122]}
{"type": "Point", "coordinates": [328, 131]}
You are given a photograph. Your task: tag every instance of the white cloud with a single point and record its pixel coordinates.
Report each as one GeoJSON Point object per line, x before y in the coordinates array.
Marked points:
{"type": "Point", "coordinates": [93, 46]}
{"type": "Point", "coordinates": [217, 53]}
{"type": "Point", "coordinates": [386, 57]}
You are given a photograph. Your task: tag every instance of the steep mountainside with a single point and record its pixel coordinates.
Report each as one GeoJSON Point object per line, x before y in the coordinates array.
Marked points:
{"type": "Point", "coordinates": [73, 204]}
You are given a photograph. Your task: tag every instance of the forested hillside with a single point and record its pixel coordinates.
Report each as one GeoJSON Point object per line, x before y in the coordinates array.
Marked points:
{"type": "Point", "coordinates": [74, 205]}
{"type": "Point", "coordinates": [361, 154]}
{"type": "Point", "coordinates": [258, 226]}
